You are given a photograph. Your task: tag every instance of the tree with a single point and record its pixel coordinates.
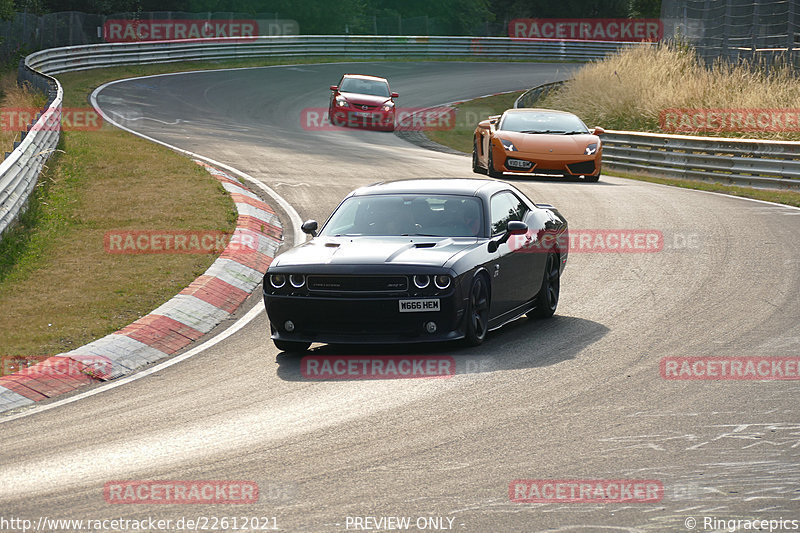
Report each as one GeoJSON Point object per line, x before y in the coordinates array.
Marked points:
{"type": "Point", "coordinates": [648, 9]}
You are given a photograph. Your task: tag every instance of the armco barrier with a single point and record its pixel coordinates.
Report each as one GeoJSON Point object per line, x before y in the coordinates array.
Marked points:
{"type": "Point", "coordinates": [748, 162]}
{"type": "Point", "coordinates": [57, 60]}
{"type": "Point", "coordinates": [20, 169]}
{"type": "Point", "coordinates": [19, 172]}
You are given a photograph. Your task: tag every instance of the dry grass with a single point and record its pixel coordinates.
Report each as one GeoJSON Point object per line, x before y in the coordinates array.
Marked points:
{"type": "Point", "coordinates": [14, 99]}
{"type": "Point", "coordinates": [629, 89]}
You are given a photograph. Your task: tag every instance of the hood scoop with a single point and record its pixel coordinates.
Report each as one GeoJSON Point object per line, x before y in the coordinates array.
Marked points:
{"type": "Point", "coordinates": [424, 245]}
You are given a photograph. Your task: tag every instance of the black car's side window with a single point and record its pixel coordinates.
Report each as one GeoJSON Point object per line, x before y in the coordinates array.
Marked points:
{"type": "Point", "coordinates": [505, 207]}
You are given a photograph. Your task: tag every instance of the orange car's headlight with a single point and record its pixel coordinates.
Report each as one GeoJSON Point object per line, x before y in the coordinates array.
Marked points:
{"type": "Point", "coordinates": [508, 145]}
{"type": "Point", "coordinates": [591, 149]}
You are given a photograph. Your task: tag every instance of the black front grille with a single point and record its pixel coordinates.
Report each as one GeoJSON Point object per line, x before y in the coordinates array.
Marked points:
{"type": "Point", "coordinates": [585, 167]}
{"type": "Point", "coordinates": [374, 284]}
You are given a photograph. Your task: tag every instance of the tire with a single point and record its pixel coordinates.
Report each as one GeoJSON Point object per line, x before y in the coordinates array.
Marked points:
{"type": "Point", "coordinates": [291, 346]}
{"type": "Point", "coordinates": [491, 171]}
{"type": "Point", "coordinates": [477, 311]}
{"type": "Point", "coordinates": [476, 168]}
{"type": "Point", "coordinates": [547, 299]}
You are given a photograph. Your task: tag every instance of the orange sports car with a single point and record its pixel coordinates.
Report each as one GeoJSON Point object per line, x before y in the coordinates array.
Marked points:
{"type": "Point", "coordinates": [537, 141]}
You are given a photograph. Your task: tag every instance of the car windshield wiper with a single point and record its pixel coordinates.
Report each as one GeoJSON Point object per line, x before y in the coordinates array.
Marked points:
{"type": "Point", "coordinates": [418, 235]}
{"type": "Point", "coordinates": [542, 131]}
{"type": "Point", "coordinates": [575, 132]}
{"type": "Point", "coordinates": [348, 235]}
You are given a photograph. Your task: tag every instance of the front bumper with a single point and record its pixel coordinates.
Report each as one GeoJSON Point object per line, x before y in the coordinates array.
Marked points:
{"type": "Point", "coordinates": [577, 165]}
{"type": "Point", "coordinates": [362, 320]}
{"type": "Point", "coordinates": [370, 119]}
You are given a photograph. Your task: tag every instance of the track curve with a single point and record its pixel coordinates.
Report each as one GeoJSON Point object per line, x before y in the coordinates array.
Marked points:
{"type": "Point", "coordinates": [579, 396]}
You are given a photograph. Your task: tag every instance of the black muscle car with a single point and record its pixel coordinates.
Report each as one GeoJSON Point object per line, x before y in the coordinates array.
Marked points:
{"type": "Point", "coordinates": [418, 261]}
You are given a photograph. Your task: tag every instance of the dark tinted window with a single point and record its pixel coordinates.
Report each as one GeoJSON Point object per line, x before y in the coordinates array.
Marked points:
{"type": "Point", "coordinates": [407, 214]}
{"type": "Point", "coordinates": [531, 122]}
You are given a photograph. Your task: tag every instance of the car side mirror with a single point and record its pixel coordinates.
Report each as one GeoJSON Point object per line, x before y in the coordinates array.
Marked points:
{"type": "Point", "coordinates": [334, 87]}
{"type": "Point", "coordinates": [598, 131]}
{"type": "Point", "coordinates": [310, 227]}
{"type": "Point", "coordinates": [515, 227]}
{"type": "Point", "coordinates": [395, 95]}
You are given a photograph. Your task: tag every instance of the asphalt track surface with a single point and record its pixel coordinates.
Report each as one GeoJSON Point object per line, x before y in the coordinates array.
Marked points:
{"type": "Point", "coordinates": [579, 396]}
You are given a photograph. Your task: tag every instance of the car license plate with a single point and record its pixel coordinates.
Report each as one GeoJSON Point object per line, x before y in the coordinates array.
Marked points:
{"type": "Point", "coordinates": [363, 114]}
{"type": "Point", "coordinates": [416, 306]}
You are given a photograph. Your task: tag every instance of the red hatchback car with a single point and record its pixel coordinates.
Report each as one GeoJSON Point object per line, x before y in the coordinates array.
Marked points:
{"type": "Point", "coordinates": [363, 102]}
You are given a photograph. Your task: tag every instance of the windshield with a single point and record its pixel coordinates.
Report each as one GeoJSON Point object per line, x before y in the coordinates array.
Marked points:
{"type": "Point", "coordinates": [407, 215]}
{"type": "Point", "coordinates": [361, 86]}
{"type": "Point", "coordinates": [542, 123]}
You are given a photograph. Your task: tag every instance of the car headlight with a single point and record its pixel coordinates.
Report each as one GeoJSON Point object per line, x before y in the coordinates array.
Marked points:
{"type": "Point", "coordinates": [421, 281]}
{"type": "Point", "coordinates": [277, 280]}
{"type": "Point", "coordinates": [441, 282]}
{"type": "Point", "coordinates": [388, 106]}
{"type": "Point", "coordinates": [508, 145]}
{"type": "Point", "coordinates": [591, 149]}
{"type": "Point", "coordinates": [297, 280]}
{"type": "Point", "coordinates": [341, 102]}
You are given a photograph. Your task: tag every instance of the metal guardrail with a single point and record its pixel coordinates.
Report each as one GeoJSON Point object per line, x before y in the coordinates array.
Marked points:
{"type": "Point", "coordinates": [57, 60]}
{"type": "Point", "coordinates": [19, 172]}
{"type": "Point", "coordinates": [20, 169]}
{"type": "Point", "coordinates": [746, 162]}
{"type": "Point", "coordinates": [531, 96]}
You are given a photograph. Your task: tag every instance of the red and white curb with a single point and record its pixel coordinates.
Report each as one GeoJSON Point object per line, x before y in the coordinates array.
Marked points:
{"type": "Point", "coordinates": [196, 310]}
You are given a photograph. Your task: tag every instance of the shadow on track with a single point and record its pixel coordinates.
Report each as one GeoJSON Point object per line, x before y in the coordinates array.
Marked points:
{"type": "Point", "coordinates": [524, 343]}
